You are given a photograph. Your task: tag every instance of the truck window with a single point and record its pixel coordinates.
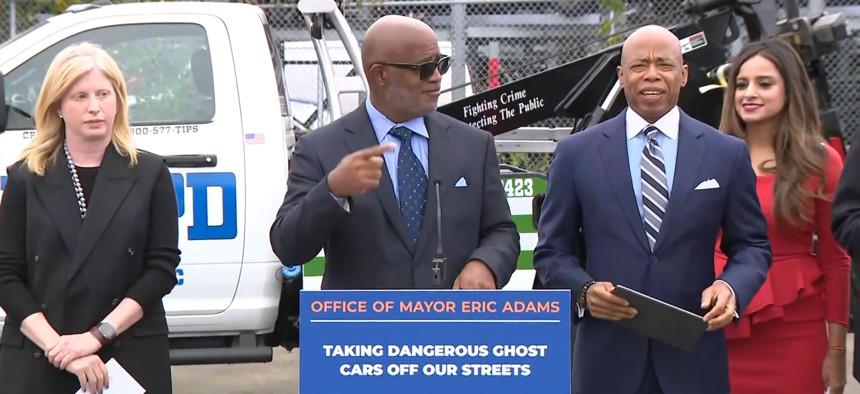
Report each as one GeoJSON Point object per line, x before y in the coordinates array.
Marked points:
{"type": "Point", "coordinates": [167, 68]}
{"type": "Point", "coordinates": [274, 50]}
{"type": "Point", "coordinates": [306, 87]}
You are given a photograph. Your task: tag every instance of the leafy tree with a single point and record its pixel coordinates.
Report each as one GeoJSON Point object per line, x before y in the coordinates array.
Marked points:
{"type": "Point", "coordinates": [615, 8]}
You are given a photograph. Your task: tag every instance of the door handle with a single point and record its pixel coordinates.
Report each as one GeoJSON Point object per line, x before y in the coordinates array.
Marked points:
{"type": "Point", "coordinates": [191, 161]}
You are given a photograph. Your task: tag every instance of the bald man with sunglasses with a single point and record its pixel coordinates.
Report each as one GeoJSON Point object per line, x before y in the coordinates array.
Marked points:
{"type": "Point", "coordinates": [364, 188]}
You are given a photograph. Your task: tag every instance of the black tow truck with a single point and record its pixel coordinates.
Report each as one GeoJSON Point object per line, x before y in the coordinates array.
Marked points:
{"type": "Point", "coordinates": [587, 90]}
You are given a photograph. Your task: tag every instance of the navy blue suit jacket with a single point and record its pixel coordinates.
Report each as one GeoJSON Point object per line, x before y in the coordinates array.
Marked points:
{"type": "Point", "coordinates": [590, 188]}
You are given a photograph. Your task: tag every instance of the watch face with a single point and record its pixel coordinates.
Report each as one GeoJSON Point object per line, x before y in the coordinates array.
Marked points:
{"type": "Point", "coordinates": [107, 330]}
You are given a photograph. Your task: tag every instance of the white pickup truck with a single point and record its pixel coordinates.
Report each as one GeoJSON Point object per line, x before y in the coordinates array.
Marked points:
{"type": "Point", "coordinates": [207, 91]}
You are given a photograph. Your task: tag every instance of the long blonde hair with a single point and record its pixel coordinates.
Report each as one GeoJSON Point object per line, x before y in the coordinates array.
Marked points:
{"type": "Point", "coordinates": [68, 66]}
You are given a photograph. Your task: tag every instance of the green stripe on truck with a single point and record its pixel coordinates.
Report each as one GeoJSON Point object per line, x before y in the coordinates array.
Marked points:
{"type": "Point", "coordinates": [523, 186]}
{"type": "Point", "coordinates": [315, 267]}
{"type": "Point", "coordinates": [524, 224]}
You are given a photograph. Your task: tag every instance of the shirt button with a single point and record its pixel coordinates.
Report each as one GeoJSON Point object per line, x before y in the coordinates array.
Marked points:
{"type": "Point", "coordinates": [37, 354]}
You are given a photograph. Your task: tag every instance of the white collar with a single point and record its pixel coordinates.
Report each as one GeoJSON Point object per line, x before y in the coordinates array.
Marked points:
{"type": "Point", "coordinates": [668, 124]}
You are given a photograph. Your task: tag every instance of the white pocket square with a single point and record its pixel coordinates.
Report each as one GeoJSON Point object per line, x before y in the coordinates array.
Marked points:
{"type": "Point", "coordinates": [709, 184]}
{"type": "Point", "coordinates": [460, 182]}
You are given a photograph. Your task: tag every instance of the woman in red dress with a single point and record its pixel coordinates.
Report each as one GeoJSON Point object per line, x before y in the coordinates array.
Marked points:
{"type": "Point", "coordinates": [791, 337]}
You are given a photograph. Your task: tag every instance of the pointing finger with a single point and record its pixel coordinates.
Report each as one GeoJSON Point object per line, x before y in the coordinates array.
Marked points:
{"type": "Point", "coordinates": [376, 161]}
{"type": "Point", "coordinates": [376, 150]}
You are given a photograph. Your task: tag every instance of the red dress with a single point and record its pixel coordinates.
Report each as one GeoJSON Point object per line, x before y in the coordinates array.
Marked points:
{"type": "Point", "coordinates": [780, 342]}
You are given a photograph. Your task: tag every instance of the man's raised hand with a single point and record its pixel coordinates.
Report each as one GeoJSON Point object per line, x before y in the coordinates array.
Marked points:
{"type": "Point", "coordinates": [358, 171]}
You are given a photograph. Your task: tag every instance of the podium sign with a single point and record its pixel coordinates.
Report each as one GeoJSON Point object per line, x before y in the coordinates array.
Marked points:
{"type": "Point", "coordinates": [429, 341]}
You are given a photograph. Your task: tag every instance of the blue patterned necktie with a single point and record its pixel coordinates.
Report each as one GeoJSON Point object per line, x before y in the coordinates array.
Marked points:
{"type": "Point", "coordinates": [411, 184]}
{"type": "Point", "coordinates": [655, 194]}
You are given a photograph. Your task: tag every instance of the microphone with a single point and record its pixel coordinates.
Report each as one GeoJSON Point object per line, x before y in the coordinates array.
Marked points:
{"type": "Point", "coordinates": [439, 261]}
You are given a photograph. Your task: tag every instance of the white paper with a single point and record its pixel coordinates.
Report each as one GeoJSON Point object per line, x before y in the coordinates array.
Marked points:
{"type": "Point", "coordinates": [120, 381]}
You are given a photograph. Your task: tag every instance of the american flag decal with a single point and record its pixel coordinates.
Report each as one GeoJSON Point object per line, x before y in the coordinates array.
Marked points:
{"type": "Point", "coordinates": [255, 138]}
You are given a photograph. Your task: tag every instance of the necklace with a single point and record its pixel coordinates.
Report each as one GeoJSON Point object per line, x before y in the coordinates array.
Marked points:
{"type": "Point", "coordinates": [79, 191]}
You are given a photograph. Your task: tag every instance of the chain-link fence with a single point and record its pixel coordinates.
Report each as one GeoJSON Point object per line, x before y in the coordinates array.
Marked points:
{"type": "Point", "coordinates": [516, 38]}
{"type": "Point", "coordinates": [841, 69]}
{"type": "Point", "coordinates": [519, 38]}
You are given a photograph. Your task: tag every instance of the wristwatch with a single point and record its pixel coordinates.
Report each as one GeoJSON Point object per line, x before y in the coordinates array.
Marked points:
{"type": "Point", "coordinates": [104, 332]}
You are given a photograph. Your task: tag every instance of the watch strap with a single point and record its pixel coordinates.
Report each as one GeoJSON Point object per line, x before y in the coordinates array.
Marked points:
{"type": "Point", "coordinates": [103, 340]}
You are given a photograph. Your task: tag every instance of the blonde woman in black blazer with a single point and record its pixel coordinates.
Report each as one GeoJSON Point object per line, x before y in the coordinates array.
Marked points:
{"type": "Point", "coordinates": [88, 240]}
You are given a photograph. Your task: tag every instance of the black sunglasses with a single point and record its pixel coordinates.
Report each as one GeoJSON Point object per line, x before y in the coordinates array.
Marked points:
{"type": "Point", "coordinates": [425, 70]}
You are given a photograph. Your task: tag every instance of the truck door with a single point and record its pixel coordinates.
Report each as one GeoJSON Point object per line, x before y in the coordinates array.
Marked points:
{"type": "Point", "coordinates": [174, 71]}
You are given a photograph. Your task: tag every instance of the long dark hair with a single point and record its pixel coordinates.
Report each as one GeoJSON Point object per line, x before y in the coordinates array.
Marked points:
{"type": "Point", "coordinates": [798, 142]}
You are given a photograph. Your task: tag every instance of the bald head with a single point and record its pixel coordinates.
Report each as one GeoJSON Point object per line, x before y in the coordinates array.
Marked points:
{"type": "Point", "coordinates": [390, 38]}
{"type": "Point", "coordinates": [651, 34]}
{"type": "Point", "coordinates": [397, 53]}
{"type": "Point", "coordinates": [652, 71]}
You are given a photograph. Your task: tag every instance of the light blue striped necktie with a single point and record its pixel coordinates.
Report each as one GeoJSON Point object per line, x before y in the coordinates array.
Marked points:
{"type": "Point", "coordinates": [655, 193]}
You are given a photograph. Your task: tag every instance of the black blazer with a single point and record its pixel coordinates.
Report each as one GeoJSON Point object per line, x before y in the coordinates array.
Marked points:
{"type": "Point", "coordinates": [367, 248]}
{"type": "Point", "coordinates": [846, 203]}
{"type": "Point", "coordinates": [77, 272]}
{"type": "Point", "coordinates": [846, 225]}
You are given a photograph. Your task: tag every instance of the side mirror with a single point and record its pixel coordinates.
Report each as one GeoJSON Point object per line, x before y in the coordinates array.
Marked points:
{"type": "Point", "coordinates": [317, 6]}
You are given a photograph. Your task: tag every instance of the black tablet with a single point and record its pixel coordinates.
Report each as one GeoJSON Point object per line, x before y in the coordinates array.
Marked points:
{"type": "Point", "coordinates": [662, 321]}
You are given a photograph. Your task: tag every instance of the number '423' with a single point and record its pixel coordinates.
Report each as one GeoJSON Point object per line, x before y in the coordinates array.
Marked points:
{"type": "Point", "coordinates": [519, 187]}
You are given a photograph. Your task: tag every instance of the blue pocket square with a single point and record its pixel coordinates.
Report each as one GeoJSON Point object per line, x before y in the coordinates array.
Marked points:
{"type": "Point", "coordinates": [460, 182]}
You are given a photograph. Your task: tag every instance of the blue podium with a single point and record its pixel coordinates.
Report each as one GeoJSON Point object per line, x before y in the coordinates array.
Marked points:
{"type": "Point", "coordinates": [434, 341]}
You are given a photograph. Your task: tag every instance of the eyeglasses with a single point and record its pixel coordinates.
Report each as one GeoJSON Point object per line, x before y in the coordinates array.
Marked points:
{"type": "Point", "coordinates": [425, 70]}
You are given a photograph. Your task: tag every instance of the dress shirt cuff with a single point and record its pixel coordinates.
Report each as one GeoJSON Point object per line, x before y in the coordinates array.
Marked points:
{"type": "Point", "coordinates": [343, 202]}
{"type": "Point", "coordinates": [580, 311]}
{"type": "Point", "coordinates": [733, 295]}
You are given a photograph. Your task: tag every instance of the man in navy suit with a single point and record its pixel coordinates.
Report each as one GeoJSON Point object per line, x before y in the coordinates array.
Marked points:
{"type": "Point", "coordinates": [651, 190]}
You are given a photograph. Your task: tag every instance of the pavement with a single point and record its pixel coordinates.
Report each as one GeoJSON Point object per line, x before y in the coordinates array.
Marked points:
{"type": "Point", "coordinates": [281, 376]}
